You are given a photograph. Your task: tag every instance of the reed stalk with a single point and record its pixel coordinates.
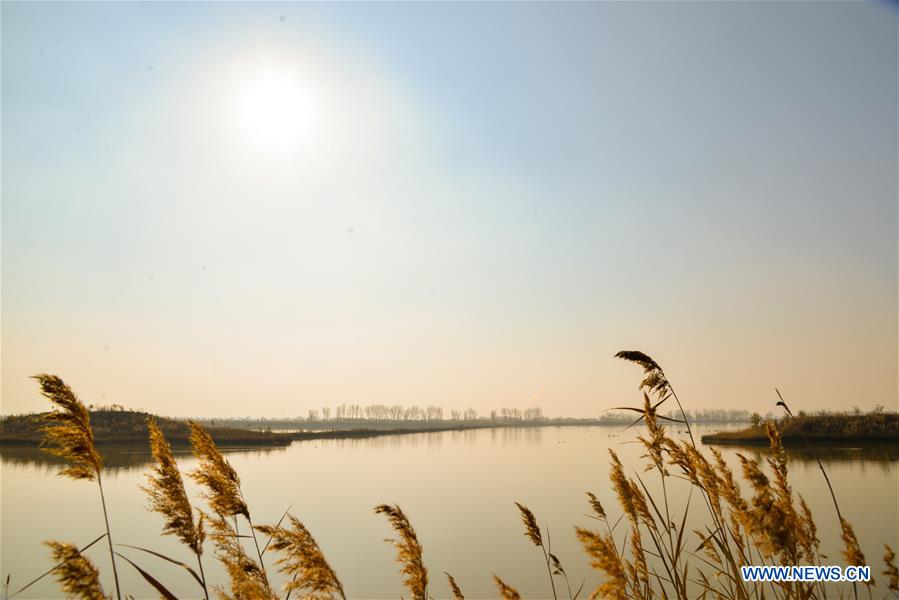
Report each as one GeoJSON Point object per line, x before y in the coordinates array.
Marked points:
{"type": "Point", "coordinates": [68, 435]}
{"type": "Point", "coordinates": [408, 551]}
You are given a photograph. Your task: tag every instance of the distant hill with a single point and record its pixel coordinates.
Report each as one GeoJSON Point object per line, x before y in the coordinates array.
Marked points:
{"type": "Point", "coordinates": [130, 427]}
{"type": "Point", "coordinates": [876, 426]}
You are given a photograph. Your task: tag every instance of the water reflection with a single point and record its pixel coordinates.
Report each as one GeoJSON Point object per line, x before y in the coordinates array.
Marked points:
{"type": "Point", "coordinates": [875, 456]}
{"type": "Point", "coordinates": [115, 458]}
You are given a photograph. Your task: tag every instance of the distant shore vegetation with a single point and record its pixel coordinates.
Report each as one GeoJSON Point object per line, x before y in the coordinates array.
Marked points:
{"type": "Point", "coordinates": [878, 425]}
{"type": "Point", "coordinates": [354, 415]}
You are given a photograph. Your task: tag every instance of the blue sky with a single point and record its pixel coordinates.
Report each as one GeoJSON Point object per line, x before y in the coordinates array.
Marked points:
{"type": "Point", "coordinates": [488, 201]}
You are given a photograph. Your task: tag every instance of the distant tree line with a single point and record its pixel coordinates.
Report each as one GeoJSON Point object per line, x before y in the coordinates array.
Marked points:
{"type": "Point", "coordinates": [711, 415]}
{"type": "Point", "coordinates": [397, 412]}
{"type": "Point", "coordinates": [374, 415]}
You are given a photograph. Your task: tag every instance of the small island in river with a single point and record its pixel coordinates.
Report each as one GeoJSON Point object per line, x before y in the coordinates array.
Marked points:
{"type": "Point", "coordinates": [875, 427]}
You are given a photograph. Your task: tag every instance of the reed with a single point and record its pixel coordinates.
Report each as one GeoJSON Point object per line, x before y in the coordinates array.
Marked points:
{"type": "Point", "coordinates": [532, 531]}
{"type": "Point", "coordinates": [454, 587]}
{"type": "Point", "coordinates": [506, 591]}
{"type": "Point", "coordinates": [225, 498]}
{"type": "Point", "coordinates": [604, 557]}
{"type": "Point", "coordinates": [756, 518]}
{"type": "Point", "coordinates": [553, 564]}
{"type": "Point", "coordinates": [217, 475]}
{"type": "Point", "coordinates": [68, 435]}
{"type": "Point", "coordinates": [75, 573]}
{"type": "Point", "coordinates": [891, 571]}
{"type": "Point", "coordinates": [773, 525]}
{"type": "Point", "coordinates": [408, 551]}
{"type": "Point", "coordinates": [303, 560]}
{"type": "Point", "coordinates": [247, 578]}
{"type": "Point", "coordinates": [167, 496]}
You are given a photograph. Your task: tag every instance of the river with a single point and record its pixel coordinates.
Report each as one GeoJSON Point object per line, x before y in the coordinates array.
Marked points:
{"type": "Point", "coordinates": [457, 487]}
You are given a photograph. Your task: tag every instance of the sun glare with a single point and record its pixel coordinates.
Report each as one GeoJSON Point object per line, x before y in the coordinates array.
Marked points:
{"type": "Point", "coordinates": [275, 110]}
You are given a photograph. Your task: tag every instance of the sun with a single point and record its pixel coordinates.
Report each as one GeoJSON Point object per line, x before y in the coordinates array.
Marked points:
{"type": "Point", "coordinates": [275, 110]}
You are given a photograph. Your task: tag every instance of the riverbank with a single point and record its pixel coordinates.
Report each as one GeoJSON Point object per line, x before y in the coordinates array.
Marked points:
{"type": "Point", "coordinates": [127, 427]}
{"type": "Point", "coordinates": [871, 428]}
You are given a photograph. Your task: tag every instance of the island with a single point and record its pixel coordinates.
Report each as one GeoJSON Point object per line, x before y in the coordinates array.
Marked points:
{"type": "Point", "coordinates": [878, 426]}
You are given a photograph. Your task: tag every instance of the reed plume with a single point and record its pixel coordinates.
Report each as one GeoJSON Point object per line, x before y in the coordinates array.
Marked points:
{"type": "Point", "coordinates": [852, 552]}
{"type": "Point", "coordinates": [768, 523]}
{"type": "Point", "coordinates": [604, 557]}
{"type": "Point", "coordinates": [454, 587]}
{"type": "Point", "coordinates": [248, 580]}
{"type": "Point", "coordinates": [506, 591]}
{"type": "Point", "coordinates": [807, 531]}
{"type": "Point", "coordinates": [224, 495]}
{"type": "Point", "coordinates": [891, 571]}
{"type": "Point", "coordinates": [408, 551]}
{"type": "Point", "coordinates": [784, 494]}
{"type": "Point", "coordinates": [68, 435]}
{"type": "Point", "coordinates": [655, 380]}
{"type": "Point", "coordinates": [532, 532]}
{"type": "Point", "coordinates": [75, 573]}
{"type": "Point", "coordinates": [730, 492]}
{"type": "Point", "coordinates": [303, 560]}
{"type": "Point", "coordinates": [654, 443]}
{"type": "Point", "coordinates": [216, 474]}
{"type": "Point", "coordinates": [167, 495]}
{"type": "Point", "coordinates": [596, 506]}
{"type": "Point", "coordinates": [635, 509]}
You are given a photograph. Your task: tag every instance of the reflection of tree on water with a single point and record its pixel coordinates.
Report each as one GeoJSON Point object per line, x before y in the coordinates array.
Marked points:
{"type": "Point", "coordinates": [434, 439]}
{"type": "Point", "coordinates": [859, 458]}
{"type": "Point", "coordinates": [115, 458]}
{"type": "Point", "coordinates": [521, 434]}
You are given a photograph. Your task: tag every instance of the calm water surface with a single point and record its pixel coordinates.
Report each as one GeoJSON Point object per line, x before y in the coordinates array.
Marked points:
{"type": "Point", "coordinates": [458, 489]}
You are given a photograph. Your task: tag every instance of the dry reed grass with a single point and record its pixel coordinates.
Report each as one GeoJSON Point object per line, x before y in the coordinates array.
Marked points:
{"type": "Point", "coordinates": [167, 495]}
{"type": "Point", "coordinates": [408, 551]}
{"type": "Point", "coordinates": [247, 578]}
{"type": "Point", "coordinates": [454, 587]}
{"type": "Point", "coordinates": [303, 560]}
{"type": "Point", "coordinates": [656, 557]}
{"type": "Point", "coordinates": [506, 591]}
{"type": "Point", "coordinates": [891, 571]}
{"type": "Point", "coordinates": [217, 475]}
{"type": "Point", "coordinates": [68, 435]}
{"type": "Point", "coordinates": [76, 574]}
{"type": "Point", "coordinates": [553, 564]}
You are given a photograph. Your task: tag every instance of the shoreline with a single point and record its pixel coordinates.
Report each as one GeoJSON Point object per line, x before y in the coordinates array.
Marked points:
{"type": "Point", "coordinates": [230, 437]}
{"type": "Point", "coordinates": [728, 439]}
{"type": "Point", "coordinates": [858, 429]}
{"type": "Point", "coordinates": [249, 438]}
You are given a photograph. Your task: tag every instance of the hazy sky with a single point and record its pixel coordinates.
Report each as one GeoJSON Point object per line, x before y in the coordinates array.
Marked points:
{"type": "Point", "coordinates": [258, 209]}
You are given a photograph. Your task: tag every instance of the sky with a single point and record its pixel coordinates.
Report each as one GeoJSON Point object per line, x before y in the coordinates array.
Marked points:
{"type": "Point", "coordinates": [231, 209]}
